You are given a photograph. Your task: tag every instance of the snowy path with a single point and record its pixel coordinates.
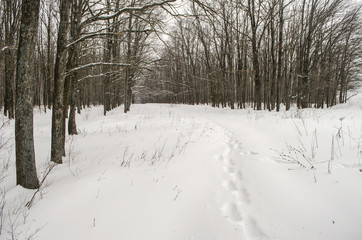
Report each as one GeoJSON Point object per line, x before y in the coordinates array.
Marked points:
{"type": "Point", "coordinates": [236, 209]}
{"type": "Point", "coordinates": [277, 200]}
{"type": "Point", "coordinates": [191, 172]}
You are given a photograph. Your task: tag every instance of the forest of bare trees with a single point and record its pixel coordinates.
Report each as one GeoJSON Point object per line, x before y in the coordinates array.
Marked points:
{"type": "Point", "coordinates": [263, 54]}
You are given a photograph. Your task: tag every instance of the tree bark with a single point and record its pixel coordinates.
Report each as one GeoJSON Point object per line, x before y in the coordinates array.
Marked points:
{"type": "Point", "coordinates": [9, 83]}
{"type": "Point", "coordinates": [280, 53]}
{"type": "Point", "coordinates": [24, 140]}
{"type": "Point", "coordinates": [75, 33]}
{"type": "Point", "coordinates": [127, 82]}
{"type": "Point", "coordinates": [9, 27]}
{"type": "Point", "coordinates": [255, 54]}
{"type": "Point", "coordinates": [57, 145]}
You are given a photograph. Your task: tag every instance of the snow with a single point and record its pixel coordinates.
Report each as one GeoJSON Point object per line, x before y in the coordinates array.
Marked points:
{"type": "Point", "coordinates": [192, 172]}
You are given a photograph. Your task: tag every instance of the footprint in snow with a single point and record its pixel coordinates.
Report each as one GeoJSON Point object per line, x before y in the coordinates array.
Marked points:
{"type": "Point", "coordinates": [228, 162]}
{"type": "Point", "coordinates": [252, 153]}
{"type": "Point", "coordinates": [229, 169]}
{"type": "Point", "coordinates": [231, 212]}
{"type": "Point", "coordinates": [243, 196]}
{"type": "Point", "coordinates": [229, 186]}
{"type": "Point", "coordinates": [249, 153]}
{"type": "Point", "coordinates": [237, 146]}
{"type": "Point", "coordinates": [265, 159]}
{"type": "Point", "coordinates": [253, 230]}
{"type": "Point", "coordinates": [239, 176]}
{"type": "Point", "coordinates": [227, 151]}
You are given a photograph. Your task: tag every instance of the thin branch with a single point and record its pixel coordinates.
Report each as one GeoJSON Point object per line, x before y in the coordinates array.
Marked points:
{"type": "Point", "coordinates": [126, 9]}
{"type": "Point", "coordinates": [97, 64]}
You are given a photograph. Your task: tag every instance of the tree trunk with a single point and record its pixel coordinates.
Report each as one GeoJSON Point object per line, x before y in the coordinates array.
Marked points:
{"type": "Point", "coordinates": [72, 126]}
{"type": "Point", "coordinates": [9, 21]}
{"type": "Point", "coordinates": [24, 141]}
{"type": "Point", "coordinates": [75, 33]}
{"type": "Point", "coordinates": [273, 62]}
{"type": "Point", "coordinates": [255, 54]}
{"type": "Point", "coordinates": [107, 82]}
{"type": "Point", "coordinates": [57, 145]}
{"type": "Point", "coordinates": [9, 83]}
{"type": "Point", "coordinates": [127, 83]}
{"type": "Point", "coordinates": [280, 53]}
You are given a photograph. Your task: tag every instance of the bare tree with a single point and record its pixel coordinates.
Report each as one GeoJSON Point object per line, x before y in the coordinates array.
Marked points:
{"type": "Point", "coordinates": [58, 124]}
{"type": "Point", "coordinates": [10, 22]}
{"type": "Point", "coordinates": [25, 157]}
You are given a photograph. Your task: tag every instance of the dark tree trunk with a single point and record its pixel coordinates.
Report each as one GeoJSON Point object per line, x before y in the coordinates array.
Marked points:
{"type": "Point", "coordinates": [25, 157]}
{"type": "Point", "coordinates": [256, 69]}
{"type": "Point", "coordinates": [48, 90]}
{"type": "Point", "coordinates": [273, 62]}
{"type": "Point", "coordinates": [107, 80]}
{"type": "Point", "coordinates": [280, 53]}
{"type": "Point", "coordinates": [72, 126]}
{"type": "Point", "coordinates": [107, 56]}
{"type": "Point", "coordinates": [75, 33]}
{"type": "Point", "coordinates": [58, 124]}
{"type": "Point", "coordinates": [9, 83]}
{"type": "Point", "coordinates": [255, 54]}
{"type": "Point", "coordinates": [9, 28]}
{"type": "Point", "coordinates": [127, 81]}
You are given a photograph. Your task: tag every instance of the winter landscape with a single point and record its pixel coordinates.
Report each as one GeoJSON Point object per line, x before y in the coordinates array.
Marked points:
{"type": "Point", "coordinates": [180, 120]}
{"type": "Point", "coordinates": [193, 172]}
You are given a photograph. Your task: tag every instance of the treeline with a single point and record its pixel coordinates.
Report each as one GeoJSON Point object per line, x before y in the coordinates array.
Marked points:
{"type": "Point", "coordinates": [238, 53]}
{"type": "Point", "coordinates": [261, 52]}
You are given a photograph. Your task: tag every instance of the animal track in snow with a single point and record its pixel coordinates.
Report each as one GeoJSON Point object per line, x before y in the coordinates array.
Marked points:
{"type": "Point", "coordinates": [244, 196]}
{"type": "Point", "coordinates": [253, 230]}
{"type": "Point", "coordinates": [235, 206]}
{"type": "Point", "coordinates": [228, 162]}
{"type": "Point", "coordinates": [239, 175]}
{"type": "Point", "coordinates": [231, 208]}
{"type": "Point", "coordinates": [231, 212]}
{"type": "Point", "coordinates": [226, 152]}
{"type": "Point", "coordinates": [229, 185]}
{"type": "Point", "coordinates": [229, 169]}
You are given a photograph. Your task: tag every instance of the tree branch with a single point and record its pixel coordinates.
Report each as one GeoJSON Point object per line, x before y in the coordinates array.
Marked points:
{"type": "Point", "coordinates": [125, 9]}
{"type": "Point", "coordinates": [97, 64]}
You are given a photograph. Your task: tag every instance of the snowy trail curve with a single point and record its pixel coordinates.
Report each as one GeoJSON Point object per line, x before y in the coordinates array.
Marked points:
{"type": "Point", "coordinates": [176, 172]}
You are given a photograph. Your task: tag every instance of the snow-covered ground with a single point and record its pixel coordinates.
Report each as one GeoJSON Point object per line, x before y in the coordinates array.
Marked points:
{"type": "Point", "coordinates": [173, 172]}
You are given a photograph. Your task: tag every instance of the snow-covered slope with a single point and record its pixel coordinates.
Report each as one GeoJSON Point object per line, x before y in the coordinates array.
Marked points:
{"type": "Point", "coordinates": [193, 172]}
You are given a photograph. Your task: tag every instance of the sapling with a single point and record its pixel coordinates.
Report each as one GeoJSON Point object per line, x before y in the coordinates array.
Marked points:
{"type": "Point", "coordinates": [33, 234]}
{"type": "Point", "coordinates": [304, 126]}
{"type": "Point", "coordinates": [125, 152]}
{"type": "Point", "coordinates": [332, 156]}
{"type": "Point", "coordinates": [178, 192]}
{"type": "Point", "coordinates": [2, 208]}
{"type": "Point", "coordinates": [71, 153]}
{"type": "Point", "coordinates": [297, 128]}
{"type": "Point", "coordinates": [13, 225]}
{"type": "Point", "coordinates": [41, 185]}
{"type": "Point", "coordinates": [5, 150]}
{"type": "Point", "coordinates": [126, 160]}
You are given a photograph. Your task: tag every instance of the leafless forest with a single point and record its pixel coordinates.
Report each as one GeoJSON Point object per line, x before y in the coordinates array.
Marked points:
{"type": "Point", "coordinates": [263, 54]}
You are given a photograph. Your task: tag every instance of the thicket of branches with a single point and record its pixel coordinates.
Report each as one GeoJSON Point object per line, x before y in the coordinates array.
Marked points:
{"type": "Point", "coordinates": [261, 52]}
